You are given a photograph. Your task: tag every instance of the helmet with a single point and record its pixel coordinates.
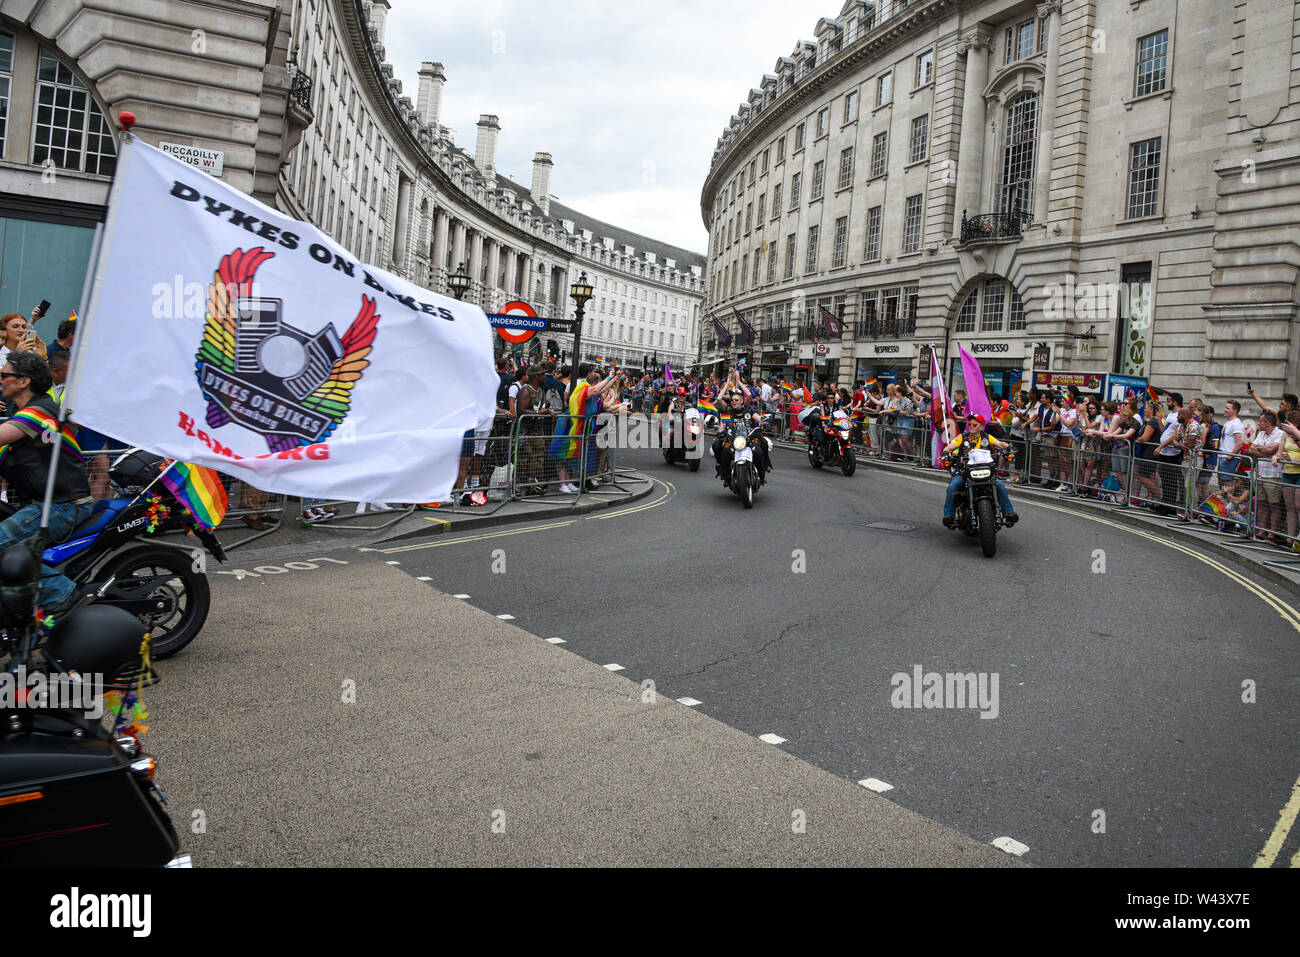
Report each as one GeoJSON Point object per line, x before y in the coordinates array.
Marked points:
{"type": "Point", "coordinates": [97, 639]}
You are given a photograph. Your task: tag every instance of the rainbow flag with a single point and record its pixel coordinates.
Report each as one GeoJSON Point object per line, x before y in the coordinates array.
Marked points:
{"type": "Point", "coordinates": [869, 383]}
{"type": "Point", "coordinates": [72, 315]}
{"type": "Point", "coordinates": [1151, 394]}
{"type": "Point", "coordinates": [724, 417]}
{"type": "Point", "coordinates": [566, 445]}
{"type": "Point", "coordinates": [706, 406]}
{"type": "Point", "coordinates": [859, 416]}
{"type": "Point", "coordinates": [1215, 505]}
{"type": "Point", "coordinates": [46, 424]}
{"type": "Point", "coordinates": [200, 490]}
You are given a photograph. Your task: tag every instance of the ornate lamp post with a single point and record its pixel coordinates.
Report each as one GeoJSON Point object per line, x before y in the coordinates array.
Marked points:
{"type": "Point", "coordinates": [459, 282]}
{"type": "Point", "coordinates": [580, 293]}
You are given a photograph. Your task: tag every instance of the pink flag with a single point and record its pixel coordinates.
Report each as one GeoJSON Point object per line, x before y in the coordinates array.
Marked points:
{"type": "Point", "coordinates": [977, 393]}
{"type": "Point", "coordinates": [940, 407]}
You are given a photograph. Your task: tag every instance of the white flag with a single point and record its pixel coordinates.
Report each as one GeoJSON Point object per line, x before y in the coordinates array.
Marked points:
{"type": "Point", "coordinates": [223, 333]}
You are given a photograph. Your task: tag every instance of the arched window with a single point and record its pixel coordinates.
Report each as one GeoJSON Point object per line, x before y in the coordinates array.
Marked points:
{"type": "Point", "coordinates": [992, 306]}
{"type": "Point", "coordinates": [1018, 149]}
{"type": "Point", "coordinates": [70, 131]}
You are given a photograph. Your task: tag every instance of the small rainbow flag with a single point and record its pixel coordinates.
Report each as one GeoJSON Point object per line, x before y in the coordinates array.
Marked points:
{"type": "Point", "coordinates": [1215, 505]}
{"type": "Point", "coordinates": [706, 406]}
{"type": "Point", "coordinates": [869, 383]}
{"type": "Point", "coordinates": [859, 416]}
{"type": "Point", "coordinates": [200, 490]}
{"type": "Point", "coordinates": [1152, 395]}
{"type": "Point", "coordinates": [72, 315]}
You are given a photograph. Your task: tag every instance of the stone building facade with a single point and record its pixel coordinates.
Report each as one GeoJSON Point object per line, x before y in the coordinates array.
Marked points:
{"type": "Point", "coordinates": [297, 99]}
{"type": "Point", "coordinates": [1108, 184]}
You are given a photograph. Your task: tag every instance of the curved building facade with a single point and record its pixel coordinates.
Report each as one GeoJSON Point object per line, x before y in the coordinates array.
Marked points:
{"type": "Point", "coordinates": [1099, 185]}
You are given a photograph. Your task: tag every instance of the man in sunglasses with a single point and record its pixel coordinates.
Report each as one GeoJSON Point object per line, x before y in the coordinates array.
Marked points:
{"type": "Point", "coordinates": [27, 438]}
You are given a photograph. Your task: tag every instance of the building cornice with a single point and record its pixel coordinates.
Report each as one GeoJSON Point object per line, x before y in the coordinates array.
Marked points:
{"type": "Point", "coordinates": [861, 52]}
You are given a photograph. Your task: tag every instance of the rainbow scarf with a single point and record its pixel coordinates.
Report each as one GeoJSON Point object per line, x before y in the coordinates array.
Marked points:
{"type": "Point", "coordinates": [46, 424]}
{"type": "Point", "coordinates": [200, 490]}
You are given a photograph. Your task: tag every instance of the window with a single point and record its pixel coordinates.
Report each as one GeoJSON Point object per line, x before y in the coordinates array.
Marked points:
{"type": "Point", "coordinates": [873, 234]}
{"type": "Point", "coordinates": [6, 74]}
{"type": "Point", "coordinates": [1020, 40]}
{"type": "Point", "coordinates": [819, 179]}
{"type": "Point", "coordinates": [1019, 146]}
{"type": "Point", "coordinates": [762, 206]}
{"type": "Point", "coordinates": [1017, 312]}
{"type": "Point", "coordinates": [879, 153]}
{"type": "Point", "coordinates": [789, 255]}
{"type": "Point", "coordinates": [744, 271]}
{"type": "Point", "coordinates": [813, 234]}
{"type": "Point", "coordinates": [994, 298]}
{"type": "Point", "coordinates": [966, 316]}
{"type": "Point", "coordinates": [912, 225]}
{"type": "Point", "coordinates": [70, 131]}
{"type": "Point", "coordinates": [758, 262]}
{"type": "Point", "coordinates": [925, 68]}
{"type": "Point", "coordinates": [771, 263]}
{"type": "Point", "coordinates": [749, 217]}
{"type": "Point", "coordinates": [867, 310]}
{"type": "Point", "coordinates": [884, 89]}
{"type": "Point", "coordinates": [920, 138]}
{"type": "Point", "coordinates": [780, 150]}
{"type": "Point", "coordinates": [796, 181]}
{"type": "Point", "coordinates": [1132, 344]}
{"type": "Point", "coordinates": [767, 156]}
{"type": "Point", "coordinates": [776, 200]}
{"type": "Point", "coordinates": [846, 168]}
{"type": "Point", "coordinates": [1152, 57]}
{"type": "Point", "coordinates": [911, 297]}
{"type": "Point", "coordinates": [823, 122]}
{"type": "Point", "coordinates": [752, 166]}
{"type": "Point", "coordinates": [799, 132]}
{"type": "Point", "coordinates": [851, 106]}
{"type": "Point", "coordinates": [840, 248]}
{"type": "Point", "coordinates": [1144, 178]}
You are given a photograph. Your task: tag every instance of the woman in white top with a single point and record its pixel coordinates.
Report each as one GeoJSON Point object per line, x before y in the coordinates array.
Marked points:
{"type": "Point", "coordinates": [18, 334]}
{"type": "Point", "coordinates": [1068, 416]}
{"type": "Point", "coordinates": [1268, 492]}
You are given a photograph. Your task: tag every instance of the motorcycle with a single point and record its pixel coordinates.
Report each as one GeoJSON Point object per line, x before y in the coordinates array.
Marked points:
{"type": "Point", "coordinates": [75, 792]}
{"type": "Point", "coordinates": [165, 587]}
{"type": "Point", "coordinates": [742, 435]}
{"type": "Point", "coordinates": [978, 513]}
{"type": "Point", "coordinates": [836, 447]}
{"type": "Point", "coordinates": [686, 448]}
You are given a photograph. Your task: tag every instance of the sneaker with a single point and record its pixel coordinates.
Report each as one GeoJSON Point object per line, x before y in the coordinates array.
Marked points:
{"type": "Point", "coordinates": [308, 516]}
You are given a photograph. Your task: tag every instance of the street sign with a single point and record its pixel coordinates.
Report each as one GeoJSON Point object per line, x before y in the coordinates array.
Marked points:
{"type": "Point", "coordinates": [517, 331]}
{"type": "Point", "coordinates": [212, 162]}
{"type": "Point", "coordinates": [823, 349]}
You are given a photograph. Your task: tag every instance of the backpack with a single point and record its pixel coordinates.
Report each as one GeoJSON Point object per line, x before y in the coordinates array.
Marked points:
{"type": "Point", "coordinates": [503, 389]}
{"type": "Point", "coordinates": [551, 396]}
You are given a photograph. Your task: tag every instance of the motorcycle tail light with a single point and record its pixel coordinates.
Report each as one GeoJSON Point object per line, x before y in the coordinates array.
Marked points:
{"type": "Point", "coordinates": [144, 767]}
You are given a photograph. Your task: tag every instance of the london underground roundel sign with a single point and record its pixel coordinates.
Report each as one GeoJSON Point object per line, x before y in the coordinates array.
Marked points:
{"type": "Point", "coordinates": [517, 336]}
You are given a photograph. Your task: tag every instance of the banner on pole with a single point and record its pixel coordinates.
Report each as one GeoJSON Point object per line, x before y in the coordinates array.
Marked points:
{"type": "Point", "coordinates": [222, 333]}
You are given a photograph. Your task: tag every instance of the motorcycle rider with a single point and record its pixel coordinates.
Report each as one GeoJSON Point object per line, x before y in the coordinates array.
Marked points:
{"type": "Point", "coordinates": [25, 381]}
{"type": "Point", "coordinates": [733, 399]}
{"type": "Point", "coordinates": [975, 439]}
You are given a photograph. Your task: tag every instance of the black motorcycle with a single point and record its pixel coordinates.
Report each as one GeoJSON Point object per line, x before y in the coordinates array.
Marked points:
{"type": "Point", "coordinates": [746, 471]}
{"type": "Point", "coordinates": [685, 446]}
{"type": "Point", "coordinates": [76, 790]}
{"type": "Point", "coordinates": [978, 513]}
{"type": "Point", "coordinates": [164, 586]}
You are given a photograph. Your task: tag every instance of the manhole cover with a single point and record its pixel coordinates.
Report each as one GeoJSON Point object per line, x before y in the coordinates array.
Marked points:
{"type": "Point", "coordinates": [892, 526]}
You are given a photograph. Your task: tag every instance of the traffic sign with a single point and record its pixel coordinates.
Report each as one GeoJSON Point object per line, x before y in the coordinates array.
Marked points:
{"type": "Point", "coordinates": [519, 334]}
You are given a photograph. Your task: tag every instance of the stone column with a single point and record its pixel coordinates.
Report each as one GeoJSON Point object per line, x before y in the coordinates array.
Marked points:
{"type": "Point", "coordinates": [441, 223]}
{"type": "Point", "coordinates": [476, 267]}
{"type": "Point", "coordinates": [1047, 110]}
{"type": "Point", "coordinates": [458, 247]}
{"type": "Point", "coordinates": [512, 271]}
{"type": "Point", "coordinates": [526, 285]}
{"type": "Point", "coordinates": [494, 268]}
{"type": "Point", "coordinates": [970, 153]}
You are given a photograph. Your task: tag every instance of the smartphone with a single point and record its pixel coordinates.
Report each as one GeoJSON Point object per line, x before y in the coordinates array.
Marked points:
{"type": "Point", "coordinates": [44, 307]}
{"type": "Point", "coordinates": [1249, 387]}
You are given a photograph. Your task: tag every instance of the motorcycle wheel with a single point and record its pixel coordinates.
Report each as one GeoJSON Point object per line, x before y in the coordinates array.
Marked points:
{"type": "Point", "coordinates": [745, 484]}
{"type": "Point", "coordinates": [813, 460]}
{"type": "Point", "coordinates": [988, 527]}
{"type": "Point", "coordinates": [183, 592]}
{"type": "Point", "coordinates": [849, 463]}
{"type": "Point", "coordinates": [695, 465]}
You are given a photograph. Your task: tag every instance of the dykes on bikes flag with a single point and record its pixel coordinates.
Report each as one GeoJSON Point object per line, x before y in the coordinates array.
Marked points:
{"type": "Point", "coordinates": [223, 333]}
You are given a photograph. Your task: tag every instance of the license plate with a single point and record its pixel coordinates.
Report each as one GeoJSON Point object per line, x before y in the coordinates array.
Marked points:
{"type": "Point", "coordinates": [745, 455]}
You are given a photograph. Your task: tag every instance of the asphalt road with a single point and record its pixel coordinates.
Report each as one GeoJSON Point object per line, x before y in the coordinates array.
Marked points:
{"type": "Point", "coordinates": [1118, 735]}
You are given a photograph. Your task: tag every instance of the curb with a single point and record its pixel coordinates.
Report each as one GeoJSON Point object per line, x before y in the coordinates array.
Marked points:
{"type": "Point", "coordinates": [1123, 515]}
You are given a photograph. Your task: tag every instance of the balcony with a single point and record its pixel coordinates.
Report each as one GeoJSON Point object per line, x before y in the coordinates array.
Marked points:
{"type": "Point", "coordinates": [299, 112]}
{"type": "Point", "coordinates": [891, 327]}
{"type": "Point", "coordinates": [990, 227]}
{"type": "Point", "coordinates": [777, 336]}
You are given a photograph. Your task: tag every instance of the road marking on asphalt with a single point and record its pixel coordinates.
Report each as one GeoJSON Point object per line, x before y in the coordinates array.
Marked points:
{"type": "Point", "coordinates": [475, 538]}
{"type": "Point", "coordinates": [669, 489]}
{"type": "Point", "coordinates": [614, 667]}
{"type": "Point", "coordinates": [875, 784]}
{"type": "Point", "coordinates": [392, 563]}
{"type": "Point", "coordinates": [424, 578]}
{"type": "Point", "coordinates": [1011, 846]}
{"type": "Point", "coordinates": [556, 641]}
{"type": "Point", "coordinates": [440, 521]}
{"type": "Point", "coordinates": [1284, 824]}
{"type": "Point", "coordinates": [460, 596]}
{"type": "Point", "coordinates": [689, 702]}
{"type": "Point", "coordinates": [771, 738]}
{"type": "Point", "coordinates": [506, 617]}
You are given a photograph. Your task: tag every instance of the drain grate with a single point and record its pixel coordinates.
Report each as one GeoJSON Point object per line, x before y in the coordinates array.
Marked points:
{"type": "Point", "coordinates": [891, 526]}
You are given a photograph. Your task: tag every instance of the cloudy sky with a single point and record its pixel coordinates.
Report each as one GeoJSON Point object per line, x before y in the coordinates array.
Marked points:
{"type": "Point", "coordinates": [628, 98]}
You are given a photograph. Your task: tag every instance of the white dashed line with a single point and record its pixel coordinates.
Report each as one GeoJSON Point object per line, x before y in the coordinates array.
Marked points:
{"type": "Point", "coordinates": [506, 617]}
{"type": "Point", "coordinates": [771, 738]}
{"type": "Point", "coordinates": [1011, 846]}
{"type": "Point", "coordinates": [556, 641]}
{"type": "Point", "coordinates": [613, 667]}
{"type": "Point", "coordinates": [460, 596]}
{"type": "Point", "coordinates": [424, 579]}
{"type": "Point", "coordinates": [875, 784]}
{"type": "Point", "coordinates": [689, 702]}
{"type": "Point", "coordinates": [392, 563]}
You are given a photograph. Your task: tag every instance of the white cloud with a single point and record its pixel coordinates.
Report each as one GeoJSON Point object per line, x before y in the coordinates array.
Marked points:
{"type": "Point", "coordinates": [610, 90]}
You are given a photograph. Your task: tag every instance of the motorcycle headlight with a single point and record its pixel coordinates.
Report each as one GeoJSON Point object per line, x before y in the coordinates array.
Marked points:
{"type": "Point", "coordinates": [738, 443]}
{"type": "Point", "coordinates": [980, 473]}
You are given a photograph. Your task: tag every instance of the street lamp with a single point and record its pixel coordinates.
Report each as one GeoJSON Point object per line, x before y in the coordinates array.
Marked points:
{"type": "Point", "coordinates": [580, 293]}
{"type": "Point", "coordinates": [459, 282]}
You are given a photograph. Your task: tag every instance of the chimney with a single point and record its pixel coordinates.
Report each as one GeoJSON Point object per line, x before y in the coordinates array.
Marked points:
{"type": "Point", "coordinates": [485, 149]}
{"type": "Point", "coordinates": [541, 190]}
{"type": "Point", "coordinates": [379, 17]}
{"type": "Point", "coordinates": [428, 98]}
